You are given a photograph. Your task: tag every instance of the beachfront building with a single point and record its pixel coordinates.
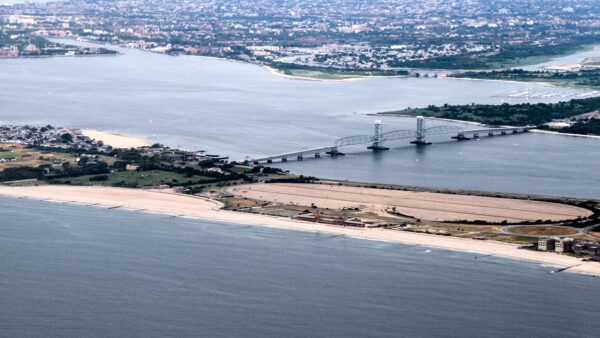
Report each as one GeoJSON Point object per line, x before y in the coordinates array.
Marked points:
{"type": "Point", "coordinates": [343, 220]}
{"type": "Point", "coordinates": [564, 245]}
{"type": "Point", "coordinates": [586, 248]}
{"type": "Point", "coordinates": [546, 244]}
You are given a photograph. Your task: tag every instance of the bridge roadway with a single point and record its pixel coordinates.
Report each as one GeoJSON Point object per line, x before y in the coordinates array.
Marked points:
{"type": "Point", "coordinates": [299, 154]}
{"type": "Point", "coordinates": [378, 138]}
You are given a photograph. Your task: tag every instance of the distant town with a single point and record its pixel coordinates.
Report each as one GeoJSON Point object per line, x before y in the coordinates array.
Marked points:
{"type": "Point", "coordinates": [327, 34]}
{"type": "Point", "coordinates": [31, 155]}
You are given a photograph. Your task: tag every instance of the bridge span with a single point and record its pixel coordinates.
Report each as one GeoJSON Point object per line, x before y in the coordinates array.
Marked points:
{"type": "Point", "coordinates": [379, 137]}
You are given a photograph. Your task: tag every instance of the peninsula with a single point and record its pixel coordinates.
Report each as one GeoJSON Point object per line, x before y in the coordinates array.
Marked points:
{"type": "Point", "coordinates": [63, 164]}
{"type": "Point", "coordinates": [170, 203]}
{"type": "Point", "coordinates": [577, 116]}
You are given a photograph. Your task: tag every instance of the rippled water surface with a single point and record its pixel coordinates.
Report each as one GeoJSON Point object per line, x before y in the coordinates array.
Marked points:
{"type": "Point", "coordinates": [73, 270]}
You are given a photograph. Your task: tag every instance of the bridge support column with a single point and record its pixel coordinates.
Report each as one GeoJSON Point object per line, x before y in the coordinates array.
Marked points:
{"type": "Point", "coordinates": [476, 136]}
{"type": "Point", "coordinates": [503, 133]}
{"type": "Point", "coordinates": [460, 137]}
{"type": "Point", "coordinates": [300, 158]}
{"type": "Point", "coordinates": [334, 152]}
{"type": "Point", "coordinates": [490, 134]}
{"type": "Point", "coordinates": [515, 131]}
{"type": "Point", "coordinates": [317, 155]}
{"type": "Point", "coordinates": [378, 138]}
{"type": "Point", "coordinates": [420, 140]}
{"type": "Point", "coordinates": [269, 161]}
{"type": "Point", "coordinates": [283, 159]}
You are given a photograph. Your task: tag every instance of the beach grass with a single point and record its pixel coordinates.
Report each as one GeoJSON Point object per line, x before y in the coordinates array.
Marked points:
{"type": "Point", "coordinates": [135, 179]}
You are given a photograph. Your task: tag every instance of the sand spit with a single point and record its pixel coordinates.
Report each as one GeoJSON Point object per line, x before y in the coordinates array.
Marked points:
{"type": "Point", "coordinates": [196, 207]}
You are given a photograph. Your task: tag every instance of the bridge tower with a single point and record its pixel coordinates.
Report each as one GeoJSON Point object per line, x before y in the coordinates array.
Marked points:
{"type": "Point", "coordinates": [378, 137]}
{"type": "Point", "coordinates": [420, 132]}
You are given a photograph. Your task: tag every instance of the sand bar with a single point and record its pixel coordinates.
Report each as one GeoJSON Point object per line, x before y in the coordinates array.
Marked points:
{"type": "Point", "coordinates": [207, 209]}
{"type": "Point", "coordinates": [115, 140]}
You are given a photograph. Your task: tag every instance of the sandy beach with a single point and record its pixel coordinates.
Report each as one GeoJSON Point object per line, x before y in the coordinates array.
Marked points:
{"type": "Point", "coordinates": [170, 203]}
{"type": "Point", "coordinates": [564, 134]}
{"type": "Point", "coordinates": [115, 140]}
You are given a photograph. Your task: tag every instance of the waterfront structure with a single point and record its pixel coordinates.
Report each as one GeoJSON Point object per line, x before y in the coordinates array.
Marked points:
{"type": "Point", "coordinates": [344, 220]}
{"type": "Point", "coordinates": [569, 245]}
{"type": "Point", "coordinates": [378, 138]}
{"type": "Point", "coordinates": [564, 245]}
{"type": "Point", "coordinates": [546, 244]}
{"type": "Point", "coordinates": [586, 248]}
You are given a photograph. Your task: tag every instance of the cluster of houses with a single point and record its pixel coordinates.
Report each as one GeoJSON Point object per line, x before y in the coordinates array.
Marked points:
{"type": "Point", "coordinates": [343, 220]}
{"type": "Point", "coordinates": [569, 245]}
{"type": "Point", "coordinates": [181, 158]}
{"type": "Point", "coordinates": [563, 123]}
{"type": "Point", "coordinates": [48, 136]}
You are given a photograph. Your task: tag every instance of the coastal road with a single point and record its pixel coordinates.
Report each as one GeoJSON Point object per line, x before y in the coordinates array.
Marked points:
{"type": "Point", "coordinates": [587, 229]}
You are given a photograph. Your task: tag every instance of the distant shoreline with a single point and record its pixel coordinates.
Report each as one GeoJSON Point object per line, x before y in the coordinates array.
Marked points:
{"type": "Point", "coordinates": [58, 55]}
{"type": "Point", "coordinates": [537, 83]}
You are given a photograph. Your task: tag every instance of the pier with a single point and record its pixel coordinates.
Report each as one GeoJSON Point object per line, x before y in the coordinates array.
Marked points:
{"type": "Point", "coordinates": [376, 141]}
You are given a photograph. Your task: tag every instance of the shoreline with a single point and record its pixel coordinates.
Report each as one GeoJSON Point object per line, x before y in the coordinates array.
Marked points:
{"type": "Point", "coordinates": [115, 140]}
{"type": "Point", "coordinates": [537, 83]}
{"type": "Point", "coordinates": [565, 134]}
{"type": "Point", "coordinates": [277, 72]}
{"type": "Point", "coordinates": [202, 208]}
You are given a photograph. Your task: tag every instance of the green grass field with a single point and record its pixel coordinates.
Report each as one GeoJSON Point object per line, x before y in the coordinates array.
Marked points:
{"type": "Point", "coordinates": [137, 179]}
{"type": "Point", "coordinates": [8, 154]}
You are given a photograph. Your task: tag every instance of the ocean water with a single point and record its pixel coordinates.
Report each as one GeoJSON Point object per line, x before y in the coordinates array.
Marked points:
{"type": "Point", "coordinates": [73, 270]}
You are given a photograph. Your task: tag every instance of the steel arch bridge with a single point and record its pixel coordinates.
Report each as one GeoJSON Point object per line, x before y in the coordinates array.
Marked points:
{"type": "Point", "coordinates": [395, 135]}
{"type": "Point", "coordinates": [376, 141]}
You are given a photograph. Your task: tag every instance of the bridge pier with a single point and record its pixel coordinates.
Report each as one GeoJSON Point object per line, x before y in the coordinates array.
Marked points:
{"type": "Point", "coordinates": [476, 136]}
{"type": "Point", "coordinates": [377, 138]}
{"type": "Point", "coordinates": [269, 161]}
{"type": "Point", "coordinates": [300, 158]}
{"type": "Point", "coordinates": [334, 152]}
{"type": "Point", "coordinates": [503, 133]}
{"type": "Point", "coordinates": [283, 159]}
{"type": "Point", "coordinates": [317, 155]}
{"type": "Point", "coordinates": [490, 134]}
{"type": "Point", "coordinates": [377, 148]}
{"type": "Point", "coordinates": [515, 131]}
{"type": "Point", "coordinates": [420, 140]}
{"type": "Point", "coordinates": [460, 137]}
